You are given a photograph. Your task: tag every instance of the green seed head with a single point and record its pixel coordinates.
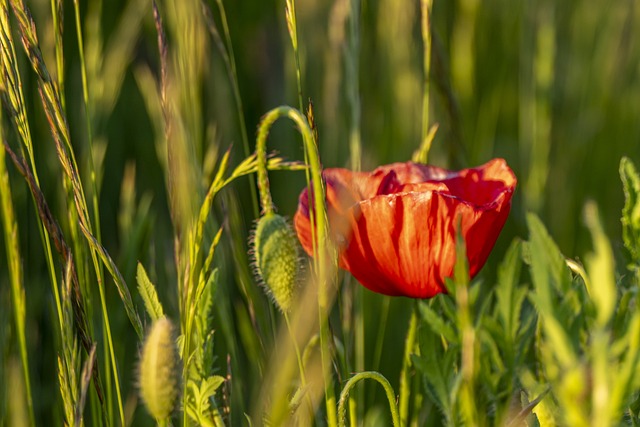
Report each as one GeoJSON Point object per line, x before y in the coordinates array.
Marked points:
{"type": "Point", "coordinates": [159, 370]}
{"type": "Point", "coordinates": [277, 259]}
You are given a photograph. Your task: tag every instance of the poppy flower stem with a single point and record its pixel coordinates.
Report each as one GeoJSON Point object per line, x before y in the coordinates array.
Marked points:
{"type": "Point", "coordinates": [344, 396]}
{"type": "Point", "coordinates": [320, 244]}
{"type": "Point", "coordinates": [409, 344]}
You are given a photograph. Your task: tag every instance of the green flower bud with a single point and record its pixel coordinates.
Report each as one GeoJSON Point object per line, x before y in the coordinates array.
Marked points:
{"type": "Point", "coordinates": [277, 259]}
{"type": "Point", "coordinates": [159, 370]}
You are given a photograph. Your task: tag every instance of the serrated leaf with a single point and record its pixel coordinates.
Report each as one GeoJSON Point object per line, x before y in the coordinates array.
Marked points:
{"type": "Point", "coordinates": [631, 210]}
{"type": "Point", "coordinates": [211, 385]}
{"type": "Point", "coordinates": [491, 349]}
{"type": "Point", "coordinates": [149, 295]}
{"type": "Point", "coordinates": [437, 323]}
{"type": "Point", "coordinates": [436, 367]}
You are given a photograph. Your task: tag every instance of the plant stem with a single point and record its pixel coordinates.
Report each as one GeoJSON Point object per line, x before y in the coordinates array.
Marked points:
{"type": "Point", "coordinates": [16, 277]}
{"type": "Point", "coordinates": [321, 242]}
{"type": "Point", "coordinates": [425, 8]}
{"type": "Point", "coordinates": [352, 64]}
{"type": "Point", "coordinates": [303, 379]}
{"type": "Point", "coordinates": [405, 392]}
{"type": "Point", "coordinates": [230, 63]}
{"type": "Point", "coordinates": [373, 376]}
{"type": "Point", "coordinates": [292, 26]}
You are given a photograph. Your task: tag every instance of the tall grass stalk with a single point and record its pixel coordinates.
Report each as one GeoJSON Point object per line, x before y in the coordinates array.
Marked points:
{"type": "Point", "coordinates": [57, 15]}
{"type": "Point", "coordinates": [13, 89]}
{"type": "Point", "coordinates": [52, 104]}
{"type": "Point", "coordinates": [352, 76]}
{"type": "Point", "coordinates": [108, 349]}
{"type": "Point", "coordinates": [226, 49]}
{"type": "Point", "coordinates": [352, 82]}
{"type": "Point", "coordinates": [425, 21]}
{"type": "Point", "coordinates": [292, 27]}
{"type": "Point", "coordinates": [16, 275]}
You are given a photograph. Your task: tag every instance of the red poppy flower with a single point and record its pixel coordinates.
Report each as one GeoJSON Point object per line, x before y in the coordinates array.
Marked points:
{"type": "Point", "coordinates": [396, 226]}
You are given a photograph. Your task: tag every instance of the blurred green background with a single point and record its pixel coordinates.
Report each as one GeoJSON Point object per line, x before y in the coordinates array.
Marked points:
{"type": "Point", "coordinates": [551, 86]}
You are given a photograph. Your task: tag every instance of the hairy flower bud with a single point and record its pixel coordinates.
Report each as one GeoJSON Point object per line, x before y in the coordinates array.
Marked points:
{"type": "Point", "coordinates": [277, 261]}
{"type": "Point", "coordinates": [159, 370]}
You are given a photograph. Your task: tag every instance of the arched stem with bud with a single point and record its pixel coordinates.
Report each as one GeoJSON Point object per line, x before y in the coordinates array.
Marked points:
{"type": "Point", "coordinates": [320, 242]}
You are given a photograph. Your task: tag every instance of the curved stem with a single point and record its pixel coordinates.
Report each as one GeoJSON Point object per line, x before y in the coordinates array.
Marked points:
{"type": "Point", "coordinates": [344, 396]}
{"type": "Point", "coordinates": [406, 365]}
{"type": "Point", "coordinates": [321, 242]}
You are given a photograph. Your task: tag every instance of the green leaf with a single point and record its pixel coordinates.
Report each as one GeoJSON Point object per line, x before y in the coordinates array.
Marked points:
{"type": "Point", "coordinates": [149, 296]}
{"type": "Point", "coordinates": [631, 211]}
{"type": "Point", "coordinates": [601, 268]}
{"type": "Point", "coordinates": [509, 300]}
{"type": "Point", "coordinates": [438, 369]}
{"type": "Point", "coordinates": [548, 267]}
{"type": "Point", "coordinates": [437, 323]}
{"type": "Point", "coordinates": [209, 386]}
{"type": "Point", "coordinates": [549, 273]}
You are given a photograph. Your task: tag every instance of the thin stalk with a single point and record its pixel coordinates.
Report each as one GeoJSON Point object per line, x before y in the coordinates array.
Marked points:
{"type": "Point", "coordinates": [465, 326]}
{"type": "Point", "coordinates": [358, 320]}
{"type": "Point", "coordinates": [353, 412]}
{"type": "Point", "coordinates": [85, 94]}
{"type": "Point", "coordinates": [109, 351]}
{"type": "Point", "coordinates": [16, 276]}
{"type": "Point", "coordinates": [111, 354]}
{"type": "Point", "coordinates": [230, 62]}
{"type": "Point", "coordinates": [292, 26]}
{"type": "Point", "coordinates": [320, 244]}
{"type": "Point", "coordinates": [58, 24]}
{"type": "Point", "coordinates": [373, 376]}
{"type": "Point", "coordinates": [352, 64]}
{"type": "Point", "coordinates": [405, 392]}
{"type": "Point", "coordinates": [303, 379]}
{"type": "Point", "coordinates": [377, 353]}
{"type": "Point", "coordinates": [425, 9]}
{"type": "Point", "coordinates": [352, 74]}
{"type": "Point", "coordinates": [14, 90]}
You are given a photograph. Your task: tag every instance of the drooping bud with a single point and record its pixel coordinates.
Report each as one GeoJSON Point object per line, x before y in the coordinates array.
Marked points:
{"type": "Point", "coordinates": [159, 370]}
{"type": "Point", "coordinates": [277, 258]}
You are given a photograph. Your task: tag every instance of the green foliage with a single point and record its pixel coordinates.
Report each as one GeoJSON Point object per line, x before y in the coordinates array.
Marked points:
{"type": "Point", "coordinates": [589, 362]}
{"type": "Point", "coordinates": [92, 90]}
{"type": "Point", "coordinates": [201, 396]}
{"type": "Point", "coordinates": [631, 211]}
{"type": "Point", "coordinates": [148, 293]}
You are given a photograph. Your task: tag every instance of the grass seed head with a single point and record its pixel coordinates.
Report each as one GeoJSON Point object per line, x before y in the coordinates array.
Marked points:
{"type": "Point", "coordinates": [159, 370]}
{"type": "Point", "coordinates": [277, 259]}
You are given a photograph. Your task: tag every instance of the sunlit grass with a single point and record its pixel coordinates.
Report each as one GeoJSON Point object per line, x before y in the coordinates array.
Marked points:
{"type": "Point", "coordinates": [127, 183]}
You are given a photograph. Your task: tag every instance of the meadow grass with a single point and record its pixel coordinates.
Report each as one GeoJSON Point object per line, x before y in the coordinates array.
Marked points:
{"type": "Point", "coordinates": [127, 130]}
